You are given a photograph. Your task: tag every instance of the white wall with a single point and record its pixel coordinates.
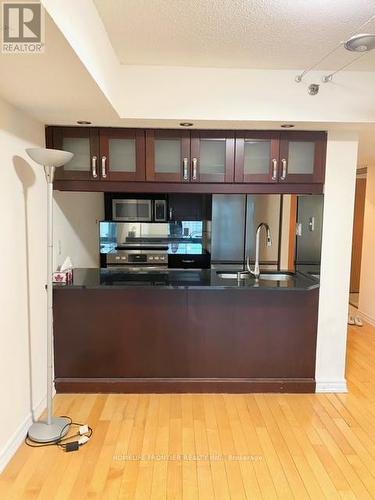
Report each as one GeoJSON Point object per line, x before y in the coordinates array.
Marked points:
{"type": "Point", "coordinates": [191, 93]}
{"type": "Point", "coordinates": [22, 293]}
{"type": "Point", "coordinates": [366, 305]}
{"type": "Point", "coordinates": [76, 228]}
{"type": "Point", "coordinates": [336, 261]}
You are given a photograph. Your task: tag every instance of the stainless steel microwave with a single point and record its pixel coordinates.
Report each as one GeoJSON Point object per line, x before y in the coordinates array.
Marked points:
{"type": "Point", "coordinates": [139, 210]}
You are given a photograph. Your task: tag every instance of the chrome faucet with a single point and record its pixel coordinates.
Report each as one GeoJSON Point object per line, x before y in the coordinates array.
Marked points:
{"type": "Point", "coordinates": [256, 271]}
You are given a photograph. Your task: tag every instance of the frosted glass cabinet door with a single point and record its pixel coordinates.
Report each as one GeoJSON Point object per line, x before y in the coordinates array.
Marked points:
{"type": "Point", "coordinates": [212, 156]}
{"type": "Point", "coordinates": [84, 144]}
{"type": "Point", "coordinates": [167, 155]}
{"type": "Point", "coordinates": [122, 154]}
{"type": "Point", "coordinates": [302, 157]}
{"type": "Point", "coordinates": [257, 156]}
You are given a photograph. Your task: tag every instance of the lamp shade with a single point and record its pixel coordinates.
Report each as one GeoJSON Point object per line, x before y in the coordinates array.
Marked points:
{"type": "Point", "coordinates": [49, 157]}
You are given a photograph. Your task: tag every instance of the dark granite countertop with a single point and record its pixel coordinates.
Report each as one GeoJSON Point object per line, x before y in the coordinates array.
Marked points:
{"type": "Point", "coordinates": [175, 278]}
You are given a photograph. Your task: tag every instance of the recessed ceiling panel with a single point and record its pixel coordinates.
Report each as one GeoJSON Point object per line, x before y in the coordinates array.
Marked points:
{"type": "Point", "coordinates": [269, 34]}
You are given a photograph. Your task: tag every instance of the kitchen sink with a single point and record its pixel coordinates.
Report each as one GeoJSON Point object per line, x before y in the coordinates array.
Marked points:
{"type": "Point", "coordinates": [276, 276]}
{"type": "Point", "coordinates": [229, 275]}
{"type": "Point", "coordinates": [263, 276]}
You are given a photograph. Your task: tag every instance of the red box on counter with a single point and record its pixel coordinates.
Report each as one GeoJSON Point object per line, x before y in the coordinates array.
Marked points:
{"type": "Point", "coordinates": [63, 277]}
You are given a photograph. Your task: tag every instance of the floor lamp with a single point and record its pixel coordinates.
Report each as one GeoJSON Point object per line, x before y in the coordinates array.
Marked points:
{"type": "Point", "coordinates": [54, 427]}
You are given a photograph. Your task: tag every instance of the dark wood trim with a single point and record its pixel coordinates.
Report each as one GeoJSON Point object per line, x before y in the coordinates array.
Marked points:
{"type": "Point", "coordinates": [170, 187]}
{"type": "Point", "coordinates": [362, 171]}
{"type": "Point", "coordinates": [49, 137]}
{"type": "Point", "coordinates": [357, 239]}
{"type": "Point", "coordinates": [184, 385]}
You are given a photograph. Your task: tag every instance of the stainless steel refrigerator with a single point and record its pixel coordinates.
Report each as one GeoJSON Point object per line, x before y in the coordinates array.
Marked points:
{"type": "Point", "coordinates": [309, 232]}
{"type": "Point", "coordinates": [234, 222]}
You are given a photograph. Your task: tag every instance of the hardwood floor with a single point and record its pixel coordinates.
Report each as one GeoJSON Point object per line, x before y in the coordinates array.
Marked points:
{"type": "Point", "coordinates": [213, 446]}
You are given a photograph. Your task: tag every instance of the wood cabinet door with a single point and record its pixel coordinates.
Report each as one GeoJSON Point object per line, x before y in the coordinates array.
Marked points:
{"type": "Point", "coordinates": [212, 156]}
{"type": "Point", "coordinates": [122, 154]}
{"type": "Point", "coordinates": [189, 206]}
{"type": "Point", "coordinates": [302, 157]}
{"type": "Point", "coordinates": [257, 156]}
{"type": "Point", "coordinates": [167, 155]}
{"type": "Point", "coordinates": [83, 142]}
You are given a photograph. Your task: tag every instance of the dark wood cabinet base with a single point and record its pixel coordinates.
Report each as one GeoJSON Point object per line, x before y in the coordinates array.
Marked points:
{"type": "Point", "coordinates": [174, 187]}
{"type": "Point", "coordinates": [184, 385]}
{"type": "Point", "coordinates": [185, 340]}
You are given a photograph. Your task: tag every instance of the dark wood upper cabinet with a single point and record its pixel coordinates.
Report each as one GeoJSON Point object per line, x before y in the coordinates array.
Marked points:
{"type": "Point", "coordinates": [84, 143]}
{"type": "Point", "coordinates": [122, 154]}
{"type": "Point", "coordinates": [302, 157]}
{"type": "Point", "coordinates": [184, 156]}
{"type": "Point", "coordinates": [212, 156]}
{"type": "Point", "coordinates": [179, 157]}
{"type": "Point", "coordinates": [280, 157]}
{"type": "Point", "coordinates": [257, 156]}
{"type": "Point", "coordinates": [167, 155]}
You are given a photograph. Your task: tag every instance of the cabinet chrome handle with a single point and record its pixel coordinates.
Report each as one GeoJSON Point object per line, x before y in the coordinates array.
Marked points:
{"type": "Point", "coordinates": [274, 169]}
{"type": "Point", "coordinates": [185, 164]}
{"type": "Point", "coordinates": [104, 172]}
{"type": "Point", "coordinates": [170, 213]}
{"type": "Point", "coordinates": [93, 167]}
{"type": "Point", "coordinates": [284, 170]}
{"type": "Point", "coordinates": [194, 163]}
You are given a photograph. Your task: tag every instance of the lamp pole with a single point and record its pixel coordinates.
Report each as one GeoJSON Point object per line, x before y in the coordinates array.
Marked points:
{"type": "Point", "coordinates": [50, 172]}
{"type": "Point", "coordinates": [53, 428]}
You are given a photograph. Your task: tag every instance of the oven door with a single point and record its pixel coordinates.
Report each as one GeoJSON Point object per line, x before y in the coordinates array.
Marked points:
{"type": "Point", "coordinates": [132, 210]}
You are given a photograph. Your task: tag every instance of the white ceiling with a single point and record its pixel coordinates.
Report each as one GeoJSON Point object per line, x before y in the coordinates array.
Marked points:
{"type": "Point", "coordinates": [267, 34]}
{"type": "Point", "coordinates": [56, 88]}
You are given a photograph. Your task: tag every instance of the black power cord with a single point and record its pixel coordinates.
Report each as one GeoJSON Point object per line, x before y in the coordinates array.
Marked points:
{"type": "Point", "coordinates": [65, 443]}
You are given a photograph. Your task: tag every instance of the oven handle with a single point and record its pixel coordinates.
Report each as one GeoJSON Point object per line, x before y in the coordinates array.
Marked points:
{"type": "Point", "coordinates": [135, 268]}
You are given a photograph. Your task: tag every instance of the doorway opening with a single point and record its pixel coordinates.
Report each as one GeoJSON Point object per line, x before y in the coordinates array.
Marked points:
{"type": "Point", "coordinates": [357, 241]}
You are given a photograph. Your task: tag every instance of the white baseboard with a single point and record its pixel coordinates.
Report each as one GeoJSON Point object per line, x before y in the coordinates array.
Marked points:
{"type": "Point", "coordinates": [366, 318]}
{"type": "Point", "coordinates": [19, 435]}
{"type": "Point", "coordinates": [331, 386]}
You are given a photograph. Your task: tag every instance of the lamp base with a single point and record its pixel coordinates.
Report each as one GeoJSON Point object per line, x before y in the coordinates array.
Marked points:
{"type": "Point", "coordinates": [41, 432]}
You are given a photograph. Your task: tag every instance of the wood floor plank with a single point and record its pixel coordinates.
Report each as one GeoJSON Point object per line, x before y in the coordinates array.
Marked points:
{"type": "Point", "coordinates": [218, 471]}
{"type": "Point", "coordinates": [295, 487]}
{"type": "Point", "coordinates": [131, 469]}
{"type": "Point", "coordinates": [233, 471]}
{"type": "Point", "coordinates": [174, 469]}
{"type": "Point", "coordinates": [249, 477]}
{"type": "Point", "coordinates": [189, 463]}
{"type": "Point", "coordinates": [204, 473]}
{"type": "Point", "coordinates": [160, 472]}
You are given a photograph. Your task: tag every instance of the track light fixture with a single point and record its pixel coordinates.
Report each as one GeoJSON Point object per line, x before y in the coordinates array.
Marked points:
{"type": "Point", "coordinates": [357, 42]}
